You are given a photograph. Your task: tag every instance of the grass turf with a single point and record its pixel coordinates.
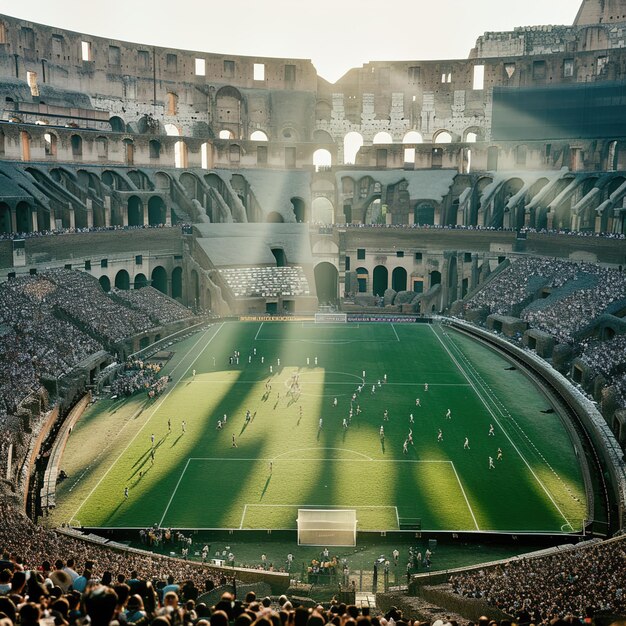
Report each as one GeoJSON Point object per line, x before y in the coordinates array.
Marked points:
{"type": "Point", "coordinates": [199, 480]}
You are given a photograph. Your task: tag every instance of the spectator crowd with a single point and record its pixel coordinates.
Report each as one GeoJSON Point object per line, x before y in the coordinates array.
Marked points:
{"type": "Point", "coordinates": [576, 582]}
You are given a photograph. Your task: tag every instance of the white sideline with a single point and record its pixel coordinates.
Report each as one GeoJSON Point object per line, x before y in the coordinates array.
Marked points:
{"type": "Point", "coordinates": [506, 434]}
{"type": "Point", "coordinates": [154, 409]}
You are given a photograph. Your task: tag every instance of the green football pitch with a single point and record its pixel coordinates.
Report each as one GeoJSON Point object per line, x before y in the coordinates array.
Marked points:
{"type": "Point", "coordinates": [296, 452]}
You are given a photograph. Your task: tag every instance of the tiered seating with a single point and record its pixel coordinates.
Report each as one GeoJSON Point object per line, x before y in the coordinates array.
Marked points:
{"type": "Point", "coordinates": [268, 282]}
{"type": "Point", "coordinates": [158, 307]}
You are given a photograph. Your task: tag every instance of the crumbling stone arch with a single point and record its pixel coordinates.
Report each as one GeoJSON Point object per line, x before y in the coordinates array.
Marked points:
{"type": "Point", "coordinates": [118, 125]}
{"type": "Point", "coordinates": [229, 109]}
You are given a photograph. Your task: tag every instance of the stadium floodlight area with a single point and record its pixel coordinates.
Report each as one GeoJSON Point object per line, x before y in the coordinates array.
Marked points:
{"type": "Point", "coordinates": [327, 527]}
{"type": "Point", "coordinates": [331, 318]}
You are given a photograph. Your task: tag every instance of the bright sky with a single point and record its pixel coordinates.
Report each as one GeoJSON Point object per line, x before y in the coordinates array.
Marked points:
{"type": "Point", "coordinates": [335, 34]}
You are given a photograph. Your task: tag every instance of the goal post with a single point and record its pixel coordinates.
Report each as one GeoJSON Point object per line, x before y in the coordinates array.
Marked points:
{"type": "Point", "coordinates": [327, 527]}
{"type": "Point", "coordinates": [331, 318]}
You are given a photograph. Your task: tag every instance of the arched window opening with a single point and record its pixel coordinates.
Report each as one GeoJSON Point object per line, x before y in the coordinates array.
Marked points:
{"type": "Point", "coordinates": [129, 151]}
{"type": "Point", "coordinates": [323, 211]}
{"type": "Point", "coordinates": [155, 149]}
{"type": "Point", "coordinates": [443, 137]}
{"type": "Point", "coordinates": [135, 211]}
{"type": "Point", "coordinates": [122, 280]}
{"type": "Point", "coordinates": [77, 145]}
{"type": "Point", "coordinates": [117, 124]}
{"type": "Point", "coordinates": [159, 279]}
{"type": "Point", "coordinates": [23, 218]}
{"type": "Point", "coordinates": [424, 214]}
{"type": "Point", "coordinates": [25, 142]}
{"type": "Point", "coordinates": [380, 281]}
{"type": "Point", "coordinates": [352, 142]}
{"type": "Point", "coordinates": [51, 144]}
{"type": "Point", "coordinates": [226, 134]}
{"type": "Point", "coordinates": [322, 159]}
{"type": "Point", "coordinates": [398, 279]}
{"type": "Point", "coordinates": [412, 137]}
{"type": "Point", "coordinates": [382, 137]}
{"type": "Point", "coordinates": [362, 279]}
{"type": "Point", "coordinates": [105, 283]}
{"type": "Point", "coordinates": [156, 211]}
{"type": "Point", "coordinates": [177, 283]}
{"type": "Point", "coordinates": [180, 154]}
{"type": "Point", "coordinates": [258, 135]}
{"type": "Point", "coordinates": [140, 281]}
{"type": "Point", "coordinates": [5, 218]}
{"type": "Point", "coordinates": [326, 282]}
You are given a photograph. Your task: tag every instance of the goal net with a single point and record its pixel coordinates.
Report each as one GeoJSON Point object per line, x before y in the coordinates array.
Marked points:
{"type": "Point", "coordinates": [327, 527]}
{"type": "Point", "coordinates": [331, 318]}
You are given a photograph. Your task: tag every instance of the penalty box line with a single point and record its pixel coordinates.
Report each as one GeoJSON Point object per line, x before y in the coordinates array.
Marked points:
{"type": "Point", "coordinates": [334, 507]}
{"type": "Point", "coordinates": [372, 506]}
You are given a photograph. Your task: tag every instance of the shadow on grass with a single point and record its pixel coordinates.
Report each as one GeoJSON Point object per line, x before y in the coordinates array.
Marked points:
{"type": "Point", "coordinates": [267, 484]}
{"type": "Point", "coordinates": [176, 440]}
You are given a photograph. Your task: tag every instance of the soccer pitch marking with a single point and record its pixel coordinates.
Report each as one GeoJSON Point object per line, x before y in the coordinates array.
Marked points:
{"type": "Point", "coordinates": [347, 326]}
{"type": "Point", "coordinates": [256, 337]}
{"type": "Point", "coordinates": [502, 409]}
{"type": "Point", "coordinates": [366, 459]}
{"type": "Point", "coordinates": [506, 434]}
{"type": "Point", "coordinates": [465, 496]}
{"type": "Point", "coordinates": [318, 506]}
{"type": "Point", "coordinates": [154, 410]}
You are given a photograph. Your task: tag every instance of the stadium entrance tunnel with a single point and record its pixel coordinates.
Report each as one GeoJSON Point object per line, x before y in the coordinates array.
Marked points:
{"type": "Point", "coordinates": [326, 282]}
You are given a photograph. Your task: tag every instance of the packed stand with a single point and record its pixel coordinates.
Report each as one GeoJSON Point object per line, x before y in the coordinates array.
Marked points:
{"type": "Point", "coordinates": [80, 296]}
{"type": "Point", "coordinates": [160, 308]}
{"type": "Point", "coordinates": [580, 293]}
{"type": "Point", "coordinates": [267, 282]}
{"type": "Point", "coordinates": [605, 357]}
{"type": "Point", "coordinates": [33, 341]}
{"type": "Point", "coordinates": [567, 583]}
{"type": "Point", "coordinates": [33, 546]}
{"type": "Point", "coordinates": [570, 314]}
{"type": "Point", "coordinates": [518, 282]}
{"type": "Point", "coordinates": [138, 375]}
